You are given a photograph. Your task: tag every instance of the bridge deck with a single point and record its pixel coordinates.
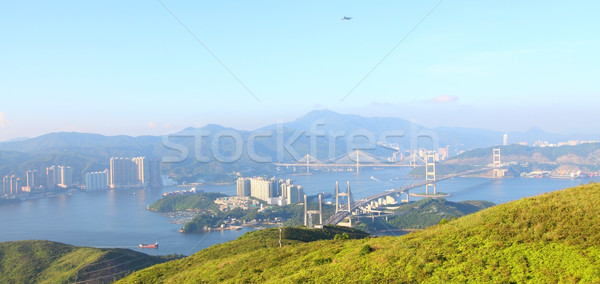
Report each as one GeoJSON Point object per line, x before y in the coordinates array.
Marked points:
{"type": "Point", "coordinates": [339, 216]}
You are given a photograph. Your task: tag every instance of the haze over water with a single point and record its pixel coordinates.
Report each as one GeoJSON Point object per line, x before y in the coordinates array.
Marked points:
{"type": "Point", "coordinates": [120, 219]}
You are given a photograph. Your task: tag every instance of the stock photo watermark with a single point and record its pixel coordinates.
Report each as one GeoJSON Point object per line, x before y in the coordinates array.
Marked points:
{"type": "Point", "coordinates": [229, 146]}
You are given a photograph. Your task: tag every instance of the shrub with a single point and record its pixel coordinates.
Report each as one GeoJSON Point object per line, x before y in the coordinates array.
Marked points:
{"type": "Point", "coordinates": [366, 249]}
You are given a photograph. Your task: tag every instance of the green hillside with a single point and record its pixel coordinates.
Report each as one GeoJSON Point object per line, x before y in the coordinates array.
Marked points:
{"type": "Point", "coordinates": [50, 262]}
{"type": "Point", "coordinates": [422, 214]}
{"type": "Point", "coordinates": [198, 201]}
{"type": "Point", "coordinates": [553, 237]}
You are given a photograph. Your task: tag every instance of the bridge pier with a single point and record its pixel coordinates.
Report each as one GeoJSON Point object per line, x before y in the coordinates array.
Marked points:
{"type": "Point", "coordinates": [357, 163]}
{"type": "Point", "coordinates": [407, 200]}
{"type": "Point", "coordinates": [338, 194]}
{"type": "Point", "coordinates": [430, 173]}
{"type": "Point", "coordinates": [311, 212]}
{"type": "Point", "coordinates": [347, 222]}
{"type": "Point", "coordinates": [496, 164]}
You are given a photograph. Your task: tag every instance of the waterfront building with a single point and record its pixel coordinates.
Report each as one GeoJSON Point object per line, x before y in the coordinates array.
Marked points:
{"type": "Point", "coordinates": [154, 178]}
{"type": "Point", "coordinates": [15, 185]}
{"type": "Point", "coordinates": [96, 181]}
{"type": "Point", "coordinates": [142, 165]}
{"type": "Point", "coordinates": [31, 179]}
{"type": "Point", "coordinates": [138, 171]}
{"type": "Point", "coordinates": [5, 185]}
{"type": "Point", "coordinates": [52, 177]}
{"type": "Point", "coordinates": [66, 176]}
{"type": "Point", "coordinates": [122, 173]}
{"type": "Point", "coordinates": [167, 181]}
{"type": "Point", "coordinates": [56, 176]}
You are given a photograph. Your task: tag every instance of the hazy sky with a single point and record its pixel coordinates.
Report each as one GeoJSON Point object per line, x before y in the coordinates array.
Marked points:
{"type": "Point", "coordinates": [129, 67]}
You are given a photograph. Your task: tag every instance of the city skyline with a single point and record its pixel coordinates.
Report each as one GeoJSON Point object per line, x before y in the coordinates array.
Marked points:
{"type": "Point", "coordinates": [144, 69]}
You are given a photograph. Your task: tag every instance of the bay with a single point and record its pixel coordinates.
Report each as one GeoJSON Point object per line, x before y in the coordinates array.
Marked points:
{"type": "Point", "coordinates": [119, 218]}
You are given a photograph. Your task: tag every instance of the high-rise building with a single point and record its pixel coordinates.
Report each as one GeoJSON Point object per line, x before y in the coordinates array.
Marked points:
{"type": "Point", "coordinates": [59, 176]}
{"type": "Point", "coordinates": [243, 186]}
{"type": "Point", "coordinates": [31, 179]}
{"type": "Point", "coordinates": [154, 177]}
{"type": "Point", "coordinates": [5, 185]}
{"type": "Point", "coordinates": [289, 192]}
{"type": "Point", "coordinates": [148, 171]}
{"type": "Point", "coordinates": [52, 177]}
{"type": "Point", "coordinates": [66, 176]}
{"type": "Point", "coordinates": [292, 193]}
{"type": "Point", "coordinates": [138, 171]}
{"type": "Point", "coordinates": [141, 164]}
{"type": "Point", "coordinates": [96, 180]}
{"type": "Point", "coordinates": [262, 188]}
{"type": "Point", "coordinates": [122, 173]}
{"type": "Point", "coordinates": [15, 184]}
{"type": "Point", "coordinates": [505, 139]}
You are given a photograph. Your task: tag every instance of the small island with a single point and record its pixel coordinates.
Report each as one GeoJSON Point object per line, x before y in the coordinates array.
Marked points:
{"type": "Point", "coordinates": [209, 211]}
{"type": "Point", "coordinates": [431, 195]}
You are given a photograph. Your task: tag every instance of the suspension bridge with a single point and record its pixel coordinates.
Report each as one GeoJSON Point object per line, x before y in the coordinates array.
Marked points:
{"type": "Point", "coordinates": [355, 159]}
{"type": "Point", "coordinates": [344, 211]}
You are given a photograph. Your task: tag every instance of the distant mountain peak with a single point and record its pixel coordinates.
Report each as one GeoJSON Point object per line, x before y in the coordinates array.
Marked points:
{"type": "Point", "coordinates": [209, 127]}
{"type": "Point", "coordinates": [318, 114]}
{"type": "Point", "coordinates": [536, 129]}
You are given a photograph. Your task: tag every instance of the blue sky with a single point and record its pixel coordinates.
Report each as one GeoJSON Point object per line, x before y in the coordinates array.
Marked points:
{"type": "Point", "coordinates": [129, 67]}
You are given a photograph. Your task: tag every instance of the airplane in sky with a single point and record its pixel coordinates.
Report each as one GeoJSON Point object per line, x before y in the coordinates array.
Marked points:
{"type": "Point", "coordinates": [346, 18]}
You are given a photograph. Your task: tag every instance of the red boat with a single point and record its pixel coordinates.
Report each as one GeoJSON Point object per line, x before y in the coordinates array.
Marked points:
{"type": "Point", "coordinates": [153, 246]}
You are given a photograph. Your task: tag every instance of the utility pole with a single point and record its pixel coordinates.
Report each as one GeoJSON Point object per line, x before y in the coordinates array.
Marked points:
{"type": "Point", "coordinates": [280, 233]}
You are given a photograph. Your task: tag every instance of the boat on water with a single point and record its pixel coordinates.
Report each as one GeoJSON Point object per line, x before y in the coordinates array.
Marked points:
{"type": "Point", "coordinates": [154, 245]}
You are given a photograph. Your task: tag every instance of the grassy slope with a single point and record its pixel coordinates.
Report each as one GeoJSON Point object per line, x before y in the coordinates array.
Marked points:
{"type": "Point", "coordinates": [422, 214]}
{"type": "Point", "coordinates": [50, 262]}
{"type": "Point", "coordinates": [547, 238]}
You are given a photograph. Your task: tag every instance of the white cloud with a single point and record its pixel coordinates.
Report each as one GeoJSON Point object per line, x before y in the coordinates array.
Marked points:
{"type": "Point", "coordinates": [442, 99]}
{"type": "Point", "coordinates": [2, 120]}
{"type": "Point", "coordinates": [151, 124]}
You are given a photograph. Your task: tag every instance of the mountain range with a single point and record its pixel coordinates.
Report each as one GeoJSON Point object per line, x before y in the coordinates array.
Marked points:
{"type": "Point", "coordinates": [333, 134]}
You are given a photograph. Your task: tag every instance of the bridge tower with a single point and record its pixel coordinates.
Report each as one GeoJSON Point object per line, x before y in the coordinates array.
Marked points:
{"type": "Point", "coordinates": [412, 159]}
{"type": "Point", "coordinates": [338, 194]}
{"type": "Point", "coordinates": [430, 173]}
{"type": "Point", "coordinates": [496, 163]}
{"type": "Point", "coordinates": [407, 200]}
{"type": "Point", "coordinates": [357, 164]}
{"type": "Point", "coordinates": [309, 213]}
{"type": "Point", "coordinates": [307, 163]}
